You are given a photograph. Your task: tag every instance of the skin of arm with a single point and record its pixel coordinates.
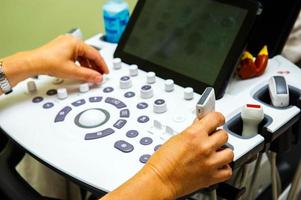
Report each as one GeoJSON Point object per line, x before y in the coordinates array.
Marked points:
{"type": "Point", "coordinates": [56, 58]}
{"type": "Point", "coordinates": [187, 162]}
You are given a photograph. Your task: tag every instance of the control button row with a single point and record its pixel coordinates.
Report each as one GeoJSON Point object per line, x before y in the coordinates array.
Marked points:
{"type": "Point", "coordinates": [62, 114]}
{"type": "Point", "coordinates": [99, 134]}
{"type": "Point", "coordinates": [115, 102]}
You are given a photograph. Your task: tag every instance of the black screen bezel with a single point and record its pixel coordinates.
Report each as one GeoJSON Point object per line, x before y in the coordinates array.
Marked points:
{"type": "Point", "coordinates": [228, 66]}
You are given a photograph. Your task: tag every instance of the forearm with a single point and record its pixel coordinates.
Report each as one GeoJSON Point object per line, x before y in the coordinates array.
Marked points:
{"type": "Point", "coordinates": [145, 185]}
{"type": "Point", "coordinates": [18, 67]}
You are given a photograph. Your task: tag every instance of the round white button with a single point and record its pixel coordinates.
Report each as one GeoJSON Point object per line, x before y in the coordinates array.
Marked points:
{"type": "Point", "coordinates": [62, 93]}
{"type": "Point", "coordinates": [125, 82]}
{"type": "Point", "coordinates": [117, 63]}
{"type": "Point", "coordinates": [133, 70]}
{"type": "Point", "coordinates": [92, 118]}
{"type": "Point", "coordinates": [84, 87]}
{"type": "Point", "coordinates": [169, 85]}
{"type": "Point", "coordinates": [58, 81]}
{"type": "Point", "coordinates": [31, 87]}
{"type": "Point", "coordinates": [188, 93]}
{"type": "Point", "coordinates": [160, 106]}
{"type": "Point", "coordinates": [146, 92]}
{"type": "Point", "coordinates": [151, 77]}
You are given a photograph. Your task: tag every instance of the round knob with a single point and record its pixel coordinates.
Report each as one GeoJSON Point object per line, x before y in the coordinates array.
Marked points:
{"type": "Point", "coordinates": [146, 92]}
{"type": "Point", "coordinates": [84, 87]}
{"type": "Point", "coordinates": [188, 93]}
{"type": "Point", "coordinates": [31, 87]}
{"type": "Point", "coordinates": [62, 93]}
{"type": "Point", "coordinates": [125, 82]}
{"type": "Point", "coordinates": [117, 63]}
{"type": "Point", "coordinates": [169, 85]}
{"type": "Point", "coordinates": [133, 70]}
{"type": "Point", "coordinates": [151, 77]}
{"type": "Point", "coordinates": [160, 106]}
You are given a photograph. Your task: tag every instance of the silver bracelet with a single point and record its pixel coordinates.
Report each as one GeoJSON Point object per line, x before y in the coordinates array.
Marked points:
{"type": "Point", "coordinates": [4, 84]}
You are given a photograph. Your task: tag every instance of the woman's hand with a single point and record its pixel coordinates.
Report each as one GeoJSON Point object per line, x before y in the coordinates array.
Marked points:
{"type": "Point", "coordinates": [189, 161]}
{"type": "Point", "coordinates": [57, 58]}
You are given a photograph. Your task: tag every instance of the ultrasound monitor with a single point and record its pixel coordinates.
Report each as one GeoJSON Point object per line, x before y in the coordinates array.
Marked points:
{"type": "Point", "coordinates": [196, 43]}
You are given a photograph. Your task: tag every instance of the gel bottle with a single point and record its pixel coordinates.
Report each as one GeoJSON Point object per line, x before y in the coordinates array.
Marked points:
{"type": "Point", "coordinates": [116, 17]}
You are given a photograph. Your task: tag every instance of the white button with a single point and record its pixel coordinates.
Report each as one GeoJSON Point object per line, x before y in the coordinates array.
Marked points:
{"type": "Point", "coordinates": [125, 82]}
{"type": "Point", "coordinates": [84, 87]}
{"type": "Point", "coordinates": [91, 118]}
{"type": "Point", "coordinates": [159, 106]}
{"type": "Point", "coordinates": [179, 118]}
{"type": "Point", "coordinates": [157, 124]}
{"type": "Point", "coordinates": [133, 70]}
{"type": "Point", "coordinates": [146, 92]}
{"type": "Point", "coordinates": [31, 87]}
{"type": "Point", "coordinates": [188, 93]}
{"type": "Point", "coordinates": [117, 63]}
{"type": "Point", "coordinates": [169, 130]}
{"type": "Point", "coordinates": [151, 77]}
{"type": "Point", "coordinates": [62, 93]}
{"type": "Point", "coordinates": [169, 85]}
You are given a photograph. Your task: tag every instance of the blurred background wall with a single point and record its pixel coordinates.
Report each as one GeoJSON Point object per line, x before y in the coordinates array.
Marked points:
{"type": "Point", "coordinates": [27, 24]}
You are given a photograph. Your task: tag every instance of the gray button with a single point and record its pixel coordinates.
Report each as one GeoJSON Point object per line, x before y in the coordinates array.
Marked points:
{"type": "Point", "coordinates": [132, 133]}
{"type": "Point", "coordinates": [142, 105]}
{"type": "Point", "coordinates": [37, 99]}
{"type": "Point", "coordinates": [129, 94]}
{"type": "Point", "coordinates": [159, 102]}
{"type": "Point", "coordinates": [144, 158]}
{"type": "Point", "coordinates": [62, 114]}
{"type": "Point", "coordinates": [125, 78]}
{"type": "Point", "coordinates": [146, 141]}
{"type": "Point", "coordinates": [51, 92]}
{"type": "Point", "coordinates": [120, 123]}
{"type": "Point", "coordinates": [125, 113]}
{"type": "Point", "coordinates": [124, 146]}
{"type": "Point", "coordinates": [143, 119]}
{"type": "Point", "coordinates": [99, 134]}
{"type": "Point", "coordinates": [48, 105]}
{"type": "Point", "coordinates": [108, 89]}
{"type": "Point", "coordinates": [157, 147]}
{"type": "Point", "coordinates": [115, 102]}
{"type": "Point", "coordinates": [79, 102]}
{"type": "Point", "coordinates": [95, 99]}
{"type": "Point", "coordinates": [146, 87]}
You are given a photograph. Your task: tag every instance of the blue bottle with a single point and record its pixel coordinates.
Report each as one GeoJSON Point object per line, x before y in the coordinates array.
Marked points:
{"type": "Point", "coordinates": [116, 17]}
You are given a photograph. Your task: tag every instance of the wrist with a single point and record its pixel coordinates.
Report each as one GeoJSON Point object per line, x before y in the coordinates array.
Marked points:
{"type": "Point", "coordinates": [165, 189]}
{"type": "Point", "coordinates": [18, 67]}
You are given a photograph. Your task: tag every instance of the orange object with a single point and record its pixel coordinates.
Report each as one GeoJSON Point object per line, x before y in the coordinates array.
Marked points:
{"type": "Point", "coordinates": [250, 68]}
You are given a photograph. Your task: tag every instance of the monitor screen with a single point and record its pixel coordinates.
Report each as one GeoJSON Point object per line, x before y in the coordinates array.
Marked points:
{"type": "Point", "coordinates": [190, 39]}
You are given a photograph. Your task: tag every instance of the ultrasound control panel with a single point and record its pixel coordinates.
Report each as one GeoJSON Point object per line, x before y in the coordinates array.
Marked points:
{"type": "Point", "coordinates": [103, 134]}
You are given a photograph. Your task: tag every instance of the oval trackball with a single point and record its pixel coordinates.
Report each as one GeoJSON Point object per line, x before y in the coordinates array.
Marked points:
{"type": "Point", "coordinates": [92, 118]}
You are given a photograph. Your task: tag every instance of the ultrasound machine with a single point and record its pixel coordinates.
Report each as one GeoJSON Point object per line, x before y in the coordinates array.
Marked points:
{"type": "Point", "coordinates": [101, 135]}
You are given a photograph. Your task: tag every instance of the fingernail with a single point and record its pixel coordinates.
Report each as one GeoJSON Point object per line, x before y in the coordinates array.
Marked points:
{"type": "Point", "coordinates": [98, 79]}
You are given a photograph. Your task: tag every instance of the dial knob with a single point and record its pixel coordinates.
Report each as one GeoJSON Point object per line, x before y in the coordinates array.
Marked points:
{"type": "Point", "coordinates": [160, 106]}
{"type": "Point", "coordinates": [117, 63]}
{"type": "Point", "coordinates": [146, 92]}
{"type": "Point", "coordinates": [169, 85]}
{"type": "Point", "coordinates": [31, 87]}
{"type": "Point", "coordinates": [84, 87]}
{"type": "Point", "coordinates": [62, 93]}
{"type": "Point", "coordinates": [151, 77]}
{"type": "Point", "coordinates": [188, 93]}
{"type": "Point", "coordinates": [125, 82]}
{"type": "Point", "coordinates": [133, 70]}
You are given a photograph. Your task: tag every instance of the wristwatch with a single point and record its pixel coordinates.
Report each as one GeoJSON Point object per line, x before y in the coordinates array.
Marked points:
{"type": "Point", "coordinates": [4, 84]}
